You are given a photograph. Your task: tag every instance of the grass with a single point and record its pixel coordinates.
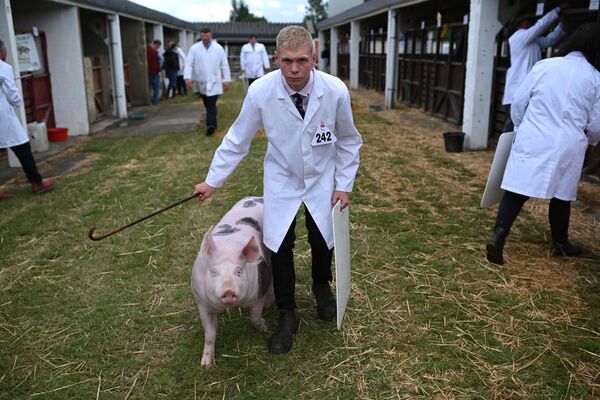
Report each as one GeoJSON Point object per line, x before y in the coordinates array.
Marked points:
{"type": "Point", "coordinates": [427, 317]}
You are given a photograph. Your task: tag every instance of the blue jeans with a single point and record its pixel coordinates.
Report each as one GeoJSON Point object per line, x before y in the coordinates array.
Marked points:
{"type": "Point", "coordinates": [172, 75]}
{"type": "Point", "coordinates": [154, 81]}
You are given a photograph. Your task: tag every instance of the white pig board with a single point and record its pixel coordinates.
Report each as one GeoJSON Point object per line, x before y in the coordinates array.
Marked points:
{"type": "Point", "coordinates": [341, 240]}
{"type": "Point", "coordinates": [493, 192]}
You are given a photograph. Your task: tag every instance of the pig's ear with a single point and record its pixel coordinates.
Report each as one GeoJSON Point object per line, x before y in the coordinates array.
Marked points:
{"type": "Point", "coordinates": [208, 244]}
{"type": "Point", "coordinates": [251, 251]}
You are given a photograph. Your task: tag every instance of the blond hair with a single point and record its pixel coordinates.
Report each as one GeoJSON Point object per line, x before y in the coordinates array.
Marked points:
{"type": "Point", "coordinates": [293, 37]}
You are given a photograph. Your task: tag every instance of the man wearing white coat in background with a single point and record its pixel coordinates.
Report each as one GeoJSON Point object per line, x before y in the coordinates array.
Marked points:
{"type": "Point", "coordinates": [12, 133]}
{"type": "Point", "coordinates": [311, 159]}
{"type": "Point", "coordinates": [207, 72]}
{"type": "Point", "coordinates": [554, 124]}
{"type": "Point", "coordinates": [526, 45]}
{"type": "Point", "coordinates": [254, 59]}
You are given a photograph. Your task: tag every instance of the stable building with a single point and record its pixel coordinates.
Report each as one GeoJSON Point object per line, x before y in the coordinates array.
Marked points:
{"type": "Point", "coordinates": [447, 57]}
{"type": "Point", "coordinates": [78, 61]}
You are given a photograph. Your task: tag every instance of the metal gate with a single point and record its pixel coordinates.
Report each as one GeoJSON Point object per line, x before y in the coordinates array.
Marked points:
{"type": "Point", "coordinates": [371, 60]}
{"type": "Point", "coordinates": [431, 70]}
{"type": "Point", "coordinates": [343, 59]}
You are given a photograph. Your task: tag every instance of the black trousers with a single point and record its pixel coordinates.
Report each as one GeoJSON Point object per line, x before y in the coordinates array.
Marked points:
{"type": "Point", "coordinates": [210, 103]}
{"type": "Point", "coordinates": [23, 153]}
{"type": "Point", "coordinates": [509, 126]}
{"type": "Point", "coordinates": [181, 87]}
{"type": "Point", "coordinates": [559, 214]}
{"type": "Point", "coordinates": [284, 275]}
{"type": "Point", "coordinates": [250, 80]}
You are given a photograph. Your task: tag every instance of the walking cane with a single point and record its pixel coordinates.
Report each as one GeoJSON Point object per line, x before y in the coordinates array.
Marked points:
{"type": "Point", "coordinates": [137, 221]}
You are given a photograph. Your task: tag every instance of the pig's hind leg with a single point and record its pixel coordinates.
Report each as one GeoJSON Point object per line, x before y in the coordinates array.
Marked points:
{"type": "Point", "coordinates": [209, 322]}
{"type": "Point", "coordinates": [256, 315]}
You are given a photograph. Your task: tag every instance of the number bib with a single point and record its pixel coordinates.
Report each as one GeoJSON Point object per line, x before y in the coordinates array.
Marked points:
{"type": "Point", "coordinates": [323, 136]}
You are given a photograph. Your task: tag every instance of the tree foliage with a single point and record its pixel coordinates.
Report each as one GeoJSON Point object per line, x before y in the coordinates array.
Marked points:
{"type": "Point", "coordinates": [316, 11]}
{"type": "Point", "coordinates": [241, 13]}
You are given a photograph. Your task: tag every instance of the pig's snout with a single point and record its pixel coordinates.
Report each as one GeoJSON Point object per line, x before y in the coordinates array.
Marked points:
{"type": "Point", "coordinates": [229, 297]}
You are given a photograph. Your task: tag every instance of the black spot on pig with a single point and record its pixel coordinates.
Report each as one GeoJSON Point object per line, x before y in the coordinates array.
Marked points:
{"type": "Point", "coordinates": [248, 204]}
{"type": "Point", "coordinates": [225, 230]}
{"type": "Point", "coordinates": [249, 221]}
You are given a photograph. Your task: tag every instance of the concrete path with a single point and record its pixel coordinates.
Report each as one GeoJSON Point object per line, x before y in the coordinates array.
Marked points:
{"type": "Point", "coordinates": [164, 118]}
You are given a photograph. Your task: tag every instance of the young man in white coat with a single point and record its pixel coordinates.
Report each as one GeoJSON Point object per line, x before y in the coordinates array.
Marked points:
{"type": "Point", "coordinates": [526, 45]}
{"type": "Point", "coordinates": [207, 72]}
{"type": "Point", "coordinates": [254, 59]}
{"type": "Point", "coordinates": [12, 133]}
{"type": "Point", "coordinates": [312, 159]}
{"type": "Point", "coordinates": [554, 125]}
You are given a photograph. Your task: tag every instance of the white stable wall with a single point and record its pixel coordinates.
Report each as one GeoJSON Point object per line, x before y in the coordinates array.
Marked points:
{"type": "Point", "coordinates": [483, 27]}
{"type": "Point", "coordinates": [333, 51]}
{"type": "Point", "coordinates": [354, 53]}
{"type": "Point", "coordinates": [65, 59]}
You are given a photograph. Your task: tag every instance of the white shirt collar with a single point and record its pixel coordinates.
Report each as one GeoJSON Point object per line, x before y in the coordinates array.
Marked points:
{"type": "Point", "coordinates": [305, 90]}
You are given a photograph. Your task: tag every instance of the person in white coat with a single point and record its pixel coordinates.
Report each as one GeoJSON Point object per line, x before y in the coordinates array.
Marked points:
{"type": "Point", "coordinates": [207, 72]}
{"type": "Point", "coordinates": [181, 87]}
{"type": "Point", "coordinates": [526, 45]}
{"type": "Point", "coordinates": [312, 159]}
{"type": "Point", "coordinates": [254, 59]}
{"type": "Point", "coordinates": [554, 124]}
{"type": "Point", "coordinates": [12, 133]}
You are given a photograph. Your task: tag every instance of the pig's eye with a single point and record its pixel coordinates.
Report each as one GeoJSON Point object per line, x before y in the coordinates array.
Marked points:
{"type": "Point", "coordinates": [213, 272]}
{"type": "Point", "coordinates": [238, 271]}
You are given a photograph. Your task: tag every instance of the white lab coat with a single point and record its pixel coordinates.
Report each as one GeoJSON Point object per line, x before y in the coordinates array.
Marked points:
{"type": "Point", "coordinates": [254, 61]}
{"type": "Point", "coordinates": [208, 69]}
{"type": "Point", "coordinates": [295, 171]}
{"type": "Point", "coordinates": [558, 102]}
{"type": "Point", "coordinates": [12, 132]}
{"type": "Point", "coordinates": [181, 55]}
{"type": "Point", "coordinates": [526, 49]}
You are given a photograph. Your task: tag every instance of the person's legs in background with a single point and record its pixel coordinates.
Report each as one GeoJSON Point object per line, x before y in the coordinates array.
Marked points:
{"type": "Point", "coordinates": [154, 81]}
{"type": "Point", "coordinates": [38, 184]}
{"type": "Point", "coordinates": [171, 90]}
{"type": "Point", "coordinates": [509, 126]}
{"type": "Point", "coordinates": [210, 103]}
{"type": "Point", "coordinates": [559, 214]}
{"type": "Point", "coordinates": [181, 87]}
{"type": "Point", "coordinates": [509, 209]}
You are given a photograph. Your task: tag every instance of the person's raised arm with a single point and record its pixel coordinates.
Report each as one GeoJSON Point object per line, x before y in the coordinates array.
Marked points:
{"type": "Point", "coordinates": [532, 34]}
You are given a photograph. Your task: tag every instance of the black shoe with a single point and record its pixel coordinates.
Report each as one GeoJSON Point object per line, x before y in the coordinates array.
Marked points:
{"type": "Point", "coordinates": [326, 305]}
{"type": "Point", "coordinates": [210, 130]}
{"type": "Point", "coordinates": [565, 250]}
{"type": "Point", "coordinates": [495, 246]}
{"type": "Point", "coordinates": [283, 337]}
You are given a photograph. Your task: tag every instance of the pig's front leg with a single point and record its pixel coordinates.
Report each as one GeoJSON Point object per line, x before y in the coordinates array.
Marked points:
{"type": "Point", "coordinates": [209, 322]}
{"type": "Point", "coordinates": [256, 316]}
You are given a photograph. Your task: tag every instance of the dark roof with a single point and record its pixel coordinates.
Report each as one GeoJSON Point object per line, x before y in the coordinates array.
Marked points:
{"type": "Point", "coordinates": [136, 10]}
{"type": "Point", "coordinates": [241, 30]}
{"type": "Point", "coordinates": [366, 8]}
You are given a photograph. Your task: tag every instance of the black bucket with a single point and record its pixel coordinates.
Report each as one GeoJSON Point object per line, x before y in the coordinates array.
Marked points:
{"type": "Point", "coordinates": [453, 141]}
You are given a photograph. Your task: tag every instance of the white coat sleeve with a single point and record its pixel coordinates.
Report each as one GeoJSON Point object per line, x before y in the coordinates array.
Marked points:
{"type": "Point", "coordinates": [235, 144]}
{"type": "Point", "coordinates": [182, 59]}
{"type": "Point", "coordinates": [593, 126]}
{"type": "Point", "coordinates": [243, 59]}
{"type": "Point", "coordinates": [9, 87]}
{"type": "Point", "coordinates": [265, 56]}
{"type": "Point", "coordinates": [552, 37]}
{"type": "Point", "coordinates": [189, 64]}
{"type": "Point", "coordinates": [522, 97]}
{"type": "Point", "coordinates": [225, 67]}
{"type": "Point", "coordinates": [347, 145]}
{"type": "Point", "coordinates": [533, 33]}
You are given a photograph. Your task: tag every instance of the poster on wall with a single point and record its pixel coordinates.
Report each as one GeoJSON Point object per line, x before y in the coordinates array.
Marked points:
{"type": "Point", "coordinates": [27, 53]}
{"type": "Point", "coordinates": [594, 4]}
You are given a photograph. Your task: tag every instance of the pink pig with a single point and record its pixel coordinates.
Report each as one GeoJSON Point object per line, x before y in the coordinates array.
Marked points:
{"type": "Point", "coordinates": [232, 269]}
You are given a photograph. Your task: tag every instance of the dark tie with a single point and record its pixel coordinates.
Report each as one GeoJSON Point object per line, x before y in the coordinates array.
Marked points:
{"type": "Point", "coordinates": [298, 103]}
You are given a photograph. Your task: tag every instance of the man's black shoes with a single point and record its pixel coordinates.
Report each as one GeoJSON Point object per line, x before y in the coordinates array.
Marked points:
{"type": "Point", "coordinates": [495, 246]}
{"type": "Point", "coordinates": [210, 130]}
{"type": "Point", "coordinates": [565, 249]}
{"type": "Point", "coordinates": [283, 337]}
{"type": "Point", "coordinates": [326, 306]}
